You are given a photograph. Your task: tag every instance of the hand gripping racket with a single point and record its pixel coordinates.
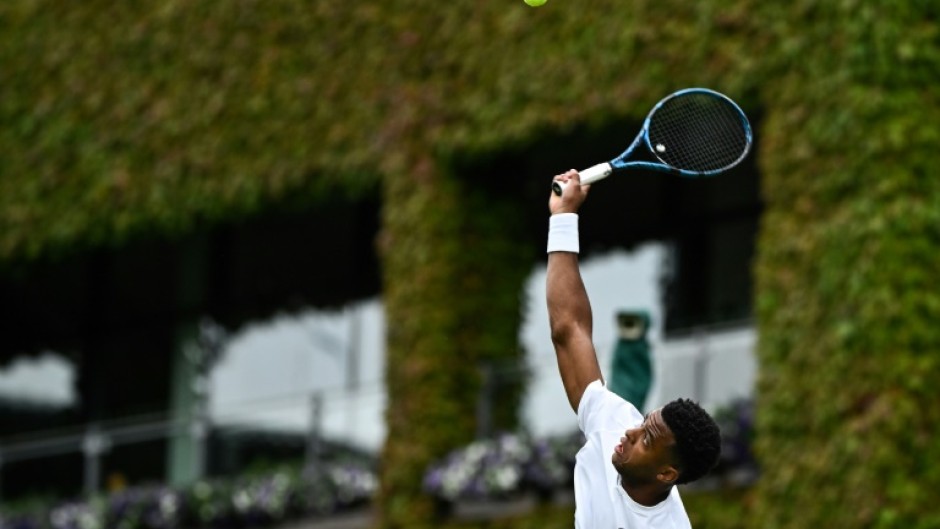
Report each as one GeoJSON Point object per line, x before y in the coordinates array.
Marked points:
{"type": "Point", "coordinates": [692, 132]}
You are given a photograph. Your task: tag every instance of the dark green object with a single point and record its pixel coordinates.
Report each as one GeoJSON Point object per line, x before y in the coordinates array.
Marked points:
{"type": "Point", "coordinates": [632, 370]}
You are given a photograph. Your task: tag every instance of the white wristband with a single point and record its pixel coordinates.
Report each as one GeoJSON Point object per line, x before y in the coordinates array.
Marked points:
{"type": "Point", "coordinates": [563, 233]}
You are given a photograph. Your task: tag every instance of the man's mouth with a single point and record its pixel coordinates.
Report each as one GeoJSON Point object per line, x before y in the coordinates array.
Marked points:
{"type": "Point", "coordinates": [619, 448]}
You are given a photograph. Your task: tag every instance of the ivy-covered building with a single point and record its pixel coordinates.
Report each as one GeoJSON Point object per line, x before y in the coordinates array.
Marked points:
{"type": "Point", "coordinates": [165, 161]}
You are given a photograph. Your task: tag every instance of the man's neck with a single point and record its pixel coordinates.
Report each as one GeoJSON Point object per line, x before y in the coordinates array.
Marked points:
{"type": "Point", "coordinates": [647, 495]}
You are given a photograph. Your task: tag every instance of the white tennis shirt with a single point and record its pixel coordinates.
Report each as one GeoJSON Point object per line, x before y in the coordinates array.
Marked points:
{"type": "Point", "coordinates": [600, 501]}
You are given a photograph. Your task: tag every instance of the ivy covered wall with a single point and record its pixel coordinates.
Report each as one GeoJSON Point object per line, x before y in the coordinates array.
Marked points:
{"type": "Point", "coordinates": [454, 268]}
{"type": "Point", "coordinates": [122, 120]}
{"type": "Point", "coordinates": [848, 266]}
{"type": "Point", "coordinates": [151, 117]}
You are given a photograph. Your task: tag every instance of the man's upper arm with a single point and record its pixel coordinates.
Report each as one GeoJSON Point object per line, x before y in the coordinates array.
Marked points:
{"type": "Point", "coordinates": [577, 362]}
{"type": "Point", "coordinates": [569, 314]}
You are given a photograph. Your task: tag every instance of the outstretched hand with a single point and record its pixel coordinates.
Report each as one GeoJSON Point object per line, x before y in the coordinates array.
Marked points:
{"type": "Point", "coordinates": [573, 196]}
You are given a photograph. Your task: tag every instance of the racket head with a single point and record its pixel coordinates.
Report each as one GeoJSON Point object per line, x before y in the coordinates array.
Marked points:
{"type": "Point", "coordinates": [698, 132]}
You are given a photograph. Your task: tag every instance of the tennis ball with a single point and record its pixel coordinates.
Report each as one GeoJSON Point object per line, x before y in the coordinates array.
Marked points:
{"type": "Point", "coordinates": [535, 3]}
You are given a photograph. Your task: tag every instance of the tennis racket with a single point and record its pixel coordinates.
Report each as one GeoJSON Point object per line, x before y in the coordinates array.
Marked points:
{"type": "Point", "coordinates": [693, 132]}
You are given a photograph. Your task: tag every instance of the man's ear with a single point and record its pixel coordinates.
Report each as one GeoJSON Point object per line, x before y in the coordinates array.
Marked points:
{"type": "Point", "coordinates": [668, 475]}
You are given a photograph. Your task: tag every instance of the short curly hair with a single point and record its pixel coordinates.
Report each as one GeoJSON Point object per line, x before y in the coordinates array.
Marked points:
{"type": "Point", "coordinates": [698, 438]}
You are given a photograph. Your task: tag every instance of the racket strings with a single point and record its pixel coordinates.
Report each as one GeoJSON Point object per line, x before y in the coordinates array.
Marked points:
{"type": "Point", "coordinates": [698, 132]}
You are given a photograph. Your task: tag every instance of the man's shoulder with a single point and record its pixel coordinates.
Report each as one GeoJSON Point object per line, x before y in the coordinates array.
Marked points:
{"type": "Point", "coordinates": [675, 515]}
{"type": "Point", "coordinates": [598, 404]}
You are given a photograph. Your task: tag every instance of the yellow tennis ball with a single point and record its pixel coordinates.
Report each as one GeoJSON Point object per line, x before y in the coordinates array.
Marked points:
{"type": "Point", "coordinates": [535, 3]}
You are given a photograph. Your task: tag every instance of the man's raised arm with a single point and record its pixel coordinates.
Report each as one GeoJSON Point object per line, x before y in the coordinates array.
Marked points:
{"type": "Point", "coordinates": [569, 310]}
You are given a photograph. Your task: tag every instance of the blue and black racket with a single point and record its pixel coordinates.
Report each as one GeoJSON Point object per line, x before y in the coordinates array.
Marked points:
{"type": "Point", "coordinates": [693, 132]}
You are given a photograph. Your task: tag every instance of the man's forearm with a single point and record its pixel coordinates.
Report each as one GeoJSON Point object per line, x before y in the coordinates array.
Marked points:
{"type": "Point", "coordinates": [568, 305]}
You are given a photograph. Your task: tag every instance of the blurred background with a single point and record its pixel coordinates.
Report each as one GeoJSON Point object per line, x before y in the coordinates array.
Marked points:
{"type": "Point", "coordinates": [279, 375]}
{"type": "Point", "coordinates": [282, 263]}
{"type": "Point", "coordinates": [306, 385]}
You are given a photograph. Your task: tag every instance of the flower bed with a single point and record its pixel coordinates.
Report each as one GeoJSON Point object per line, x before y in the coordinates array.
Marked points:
{"type": "Point", "coordinates": [257, 501]}
{"type": "Point", "coordinates": [504, 466]}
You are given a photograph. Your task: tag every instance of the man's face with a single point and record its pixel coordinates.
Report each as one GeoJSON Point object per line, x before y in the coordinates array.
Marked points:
{"type": "Point", "coordinates": [645, 453]}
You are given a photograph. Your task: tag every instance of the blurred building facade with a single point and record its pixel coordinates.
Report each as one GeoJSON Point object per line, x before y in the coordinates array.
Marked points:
{"type": "Point", "coordinates": [143, 324]}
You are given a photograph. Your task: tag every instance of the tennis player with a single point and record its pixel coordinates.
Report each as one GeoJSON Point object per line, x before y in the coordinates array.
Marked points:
{"type": "Point", "coordinates": [626, 473]}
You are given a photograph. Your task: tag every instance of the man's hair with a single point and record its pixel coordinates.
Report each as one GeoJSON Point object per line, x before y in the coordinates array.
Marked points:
{"type": "Point", "coordinates": [698, 439]}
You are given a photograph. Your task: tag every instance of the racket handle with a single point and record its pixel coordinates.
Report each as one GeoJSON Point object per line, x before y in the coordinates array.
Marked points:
{"type": "Point", "coordinates": [588, 176]}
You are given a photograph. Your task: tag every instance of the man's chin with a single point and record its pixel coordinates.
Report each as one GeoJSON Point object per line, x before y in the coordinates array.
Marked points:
{"type": "Point", "coordinates": [617, 461]}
